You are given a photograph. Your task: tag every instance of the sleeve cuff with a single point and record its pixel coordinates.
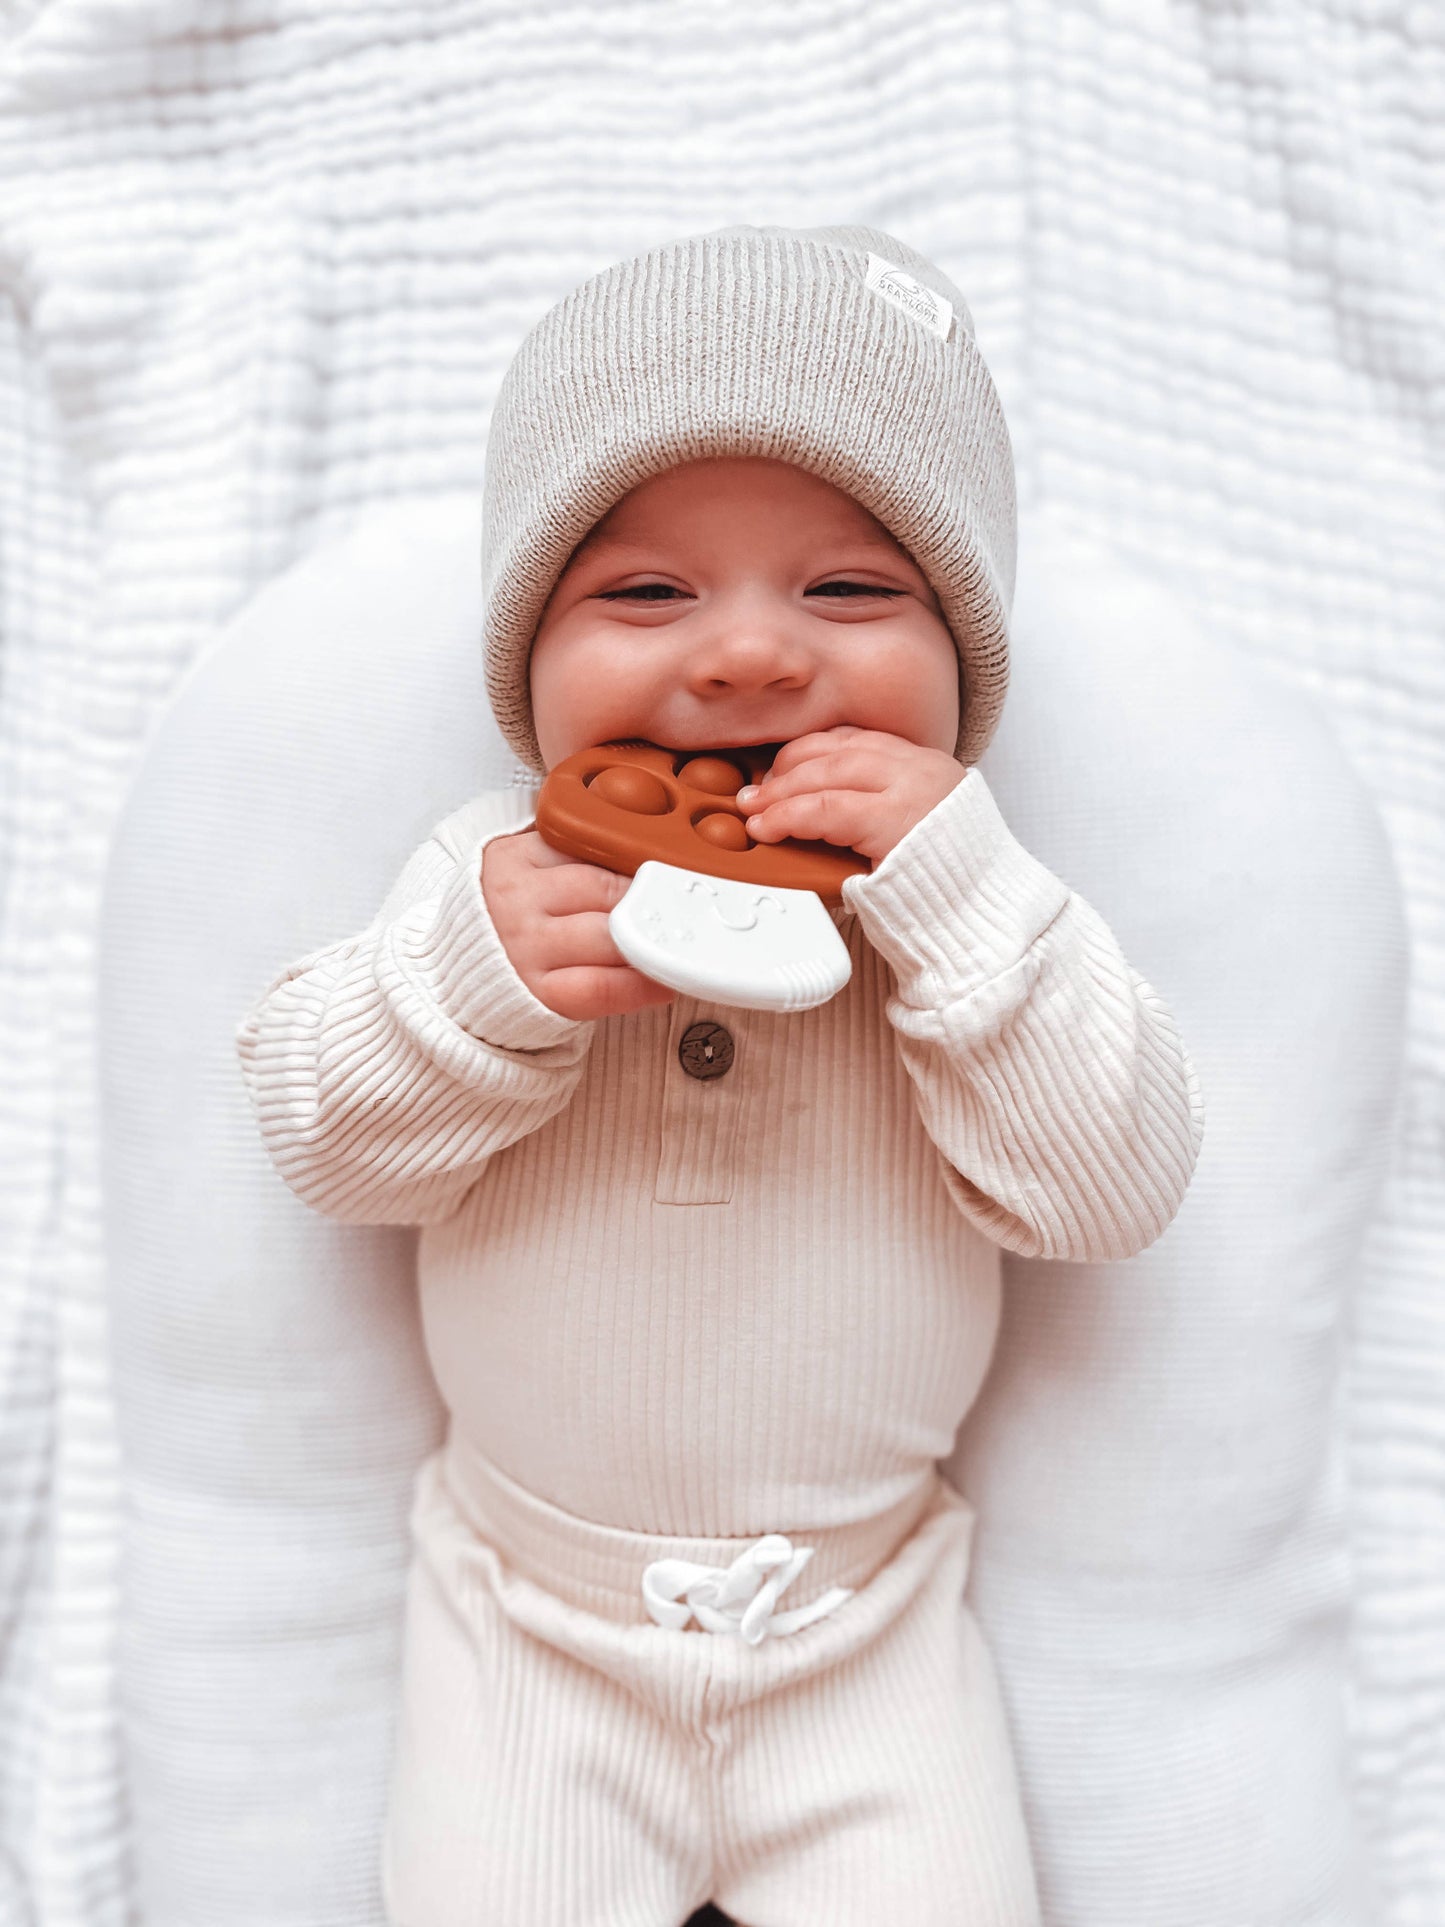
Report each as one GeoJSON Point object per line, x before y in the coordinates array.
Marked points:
{"type": "Point", "coordinates": [957, 901]}
{"type": "Point", "coordinates": [477, 984]}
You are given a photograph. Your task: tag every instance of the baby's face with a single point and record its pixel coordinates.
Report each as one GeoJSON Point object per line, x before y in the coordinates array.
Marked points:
{"type": "Point", "coordinates": [738, 600]}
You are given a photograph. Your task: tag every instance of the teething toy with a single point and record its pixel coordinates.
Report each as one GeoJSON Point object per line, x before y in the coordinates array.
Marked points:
{"type": "Point", "coordinates": [710, 912]}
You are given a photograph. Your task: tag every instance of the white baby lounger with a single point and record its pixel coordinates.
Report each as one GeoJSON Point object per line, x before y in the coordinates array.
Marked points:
{"type": "Point", "coordinates": [1162, 1563]}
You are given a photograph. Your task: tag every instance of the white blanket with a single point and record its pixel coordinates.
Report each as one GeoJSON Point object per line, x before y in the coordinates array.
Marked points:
{"type": "Point", "coordinates": [265, 264]}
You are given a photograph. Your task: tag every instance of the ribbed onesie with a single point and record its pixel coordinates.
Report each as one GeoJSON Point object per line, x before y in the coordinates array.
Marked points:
{"type": "Point", "coordinates": [672, 1315]}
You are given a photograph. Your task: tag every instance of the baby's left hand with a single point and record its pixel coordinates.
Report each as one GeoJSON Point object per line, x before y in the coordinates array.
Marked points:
{"type": "Point", "coordinates": [856, 787]}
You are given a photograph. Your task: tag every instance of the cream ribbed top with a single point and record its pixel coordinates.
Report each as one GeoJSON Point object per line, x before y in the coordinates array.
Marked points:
{"type": "Point", "coordinates": [761, 1301]}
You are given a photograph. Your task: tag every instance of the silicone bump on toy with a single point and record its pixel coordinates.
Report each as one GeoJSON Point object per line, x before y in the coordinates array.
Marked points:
{"type": "Point", "coordinates": [625, 803]}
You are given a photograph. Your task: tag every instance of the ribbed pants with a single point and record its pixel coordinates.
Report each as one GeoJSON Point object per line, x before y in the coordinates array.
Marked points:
{"type": "Point", "coordinates": [562, 1761]}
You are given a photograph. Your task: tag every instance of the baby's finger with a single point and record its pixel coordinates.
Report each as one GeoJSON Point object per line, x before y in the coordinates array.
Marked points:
{"type": "Point", "coordinates": [579, 886]}
{"type": "Point", "coordinates": [593, 990]}
{"type": "Point", "coordinates": [817, 742]}
{"type": "Point", "coordinates": [583, 937]}
{"type": "Point", "coordinates": [532, 846]}
{"type": "Point", "coordinates": [829, 816]}
{"type": "Point", "coordinates": [853, 769]}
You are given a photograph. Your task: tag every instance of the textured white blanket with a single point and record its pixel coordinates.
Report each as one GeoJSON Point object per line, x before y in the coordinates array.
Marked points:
{"type": "Point", "coordinates": [264, 263]}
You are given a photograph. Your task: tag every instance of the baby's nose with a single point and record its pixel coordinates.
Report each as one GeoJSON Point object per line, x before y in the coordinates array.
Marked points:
{"type": "Point", "coordinates": [751, 656]}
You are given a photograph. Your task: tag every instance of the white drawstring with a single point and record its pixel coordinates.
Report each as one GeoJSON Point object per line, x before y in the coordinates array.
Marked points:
{"type": "Point", "coordinates": [738, 1598]}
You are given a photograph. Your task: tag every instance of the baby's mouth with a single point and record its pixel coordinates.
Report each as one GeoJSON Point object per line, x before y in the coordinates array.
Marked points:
{"type": "Point", "coordinates": [768, 747]}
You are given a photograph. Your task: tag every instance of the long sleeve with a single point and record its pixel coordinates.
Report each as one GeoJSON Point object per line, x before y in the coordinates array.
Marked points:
{"type": "Point", "coordinates": [1051, 1076]}
{"type": "Point", "coordinates": [386, 1069]}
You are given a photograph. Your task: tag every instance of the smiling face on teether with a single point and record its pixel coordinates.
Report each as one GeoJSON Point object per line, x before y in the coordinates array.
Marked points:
{"type": "Point", "coordinates": [735, 602]}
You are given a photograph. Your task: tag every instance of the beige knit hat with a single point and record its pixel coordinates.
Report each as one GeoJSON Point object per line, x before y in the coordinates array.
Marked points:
{"type": "Point", "coordinates": [838, 349]}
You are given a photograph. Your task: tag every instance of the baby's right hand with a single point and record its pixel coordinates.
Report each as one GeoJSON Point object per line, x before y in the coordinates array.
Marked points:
{"type": "Point", "coordinates": [550, 913]}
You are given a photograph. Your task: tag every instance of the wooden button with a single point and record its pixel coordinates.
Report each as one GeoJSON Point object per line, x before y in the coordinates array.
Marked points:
{"type": "Point", "coordinates": [706, 1050]}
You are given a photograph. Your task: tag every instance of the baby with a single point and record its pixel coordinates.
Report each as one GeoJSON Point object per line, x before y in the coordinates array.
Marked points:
{"type": "Point", "coordinates": [707, 1291]}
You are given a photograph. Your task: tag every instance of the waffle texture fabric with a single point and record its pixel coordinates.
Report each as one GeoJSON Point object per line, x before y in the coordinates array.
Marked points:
{"type": "Point", "coordinates": [839, 349]}
{"type": "Point", "coordinates": [749, 1304]}
{"type": "Point", "coordinates": [1192, 241]}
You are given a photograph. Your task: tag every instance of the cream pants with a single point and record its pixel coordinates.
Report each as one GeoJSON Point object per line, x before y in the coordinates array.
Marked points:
{"type": "Point", "coordinates": [564, 1761]}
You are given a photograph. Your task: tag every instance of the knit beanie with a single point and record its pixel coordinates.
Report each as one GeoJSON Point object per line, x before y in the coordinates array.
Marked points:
{"type": "Point", "coordinates": [835, 348]}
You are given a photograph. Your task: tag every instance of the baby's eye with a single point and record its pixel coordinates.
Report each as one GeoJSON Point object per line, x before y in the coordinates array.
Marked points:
{"type": "Point", "coordinates": [647, 591]}
{"type": "Point", "coordinates": [851, 589]}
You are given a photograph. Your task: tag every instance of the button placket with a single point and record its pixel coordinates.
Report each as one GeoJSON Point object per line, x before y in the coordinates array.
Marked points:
{"type": "Point", "coordinates": [702, 1093]}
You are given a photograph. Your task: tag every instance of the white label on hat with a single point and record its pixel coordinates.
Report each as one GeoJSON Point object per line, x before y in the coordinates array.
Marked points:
{"type": "Point", "coordinates": [904, 292]}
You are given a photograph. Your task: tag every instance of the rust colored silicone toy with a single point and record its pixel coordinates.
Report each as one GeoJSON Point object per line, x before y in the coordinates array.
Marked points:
{"type": "Point", "coordinates": [621, 803]}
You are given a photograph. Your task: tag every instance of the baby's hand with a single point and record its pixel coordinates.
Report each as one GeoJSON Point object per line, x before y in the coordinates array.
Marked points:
{"type": "Point", "coordinates": [858, 787]}
{"type": "Point", "coordinates": [551, 916]}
